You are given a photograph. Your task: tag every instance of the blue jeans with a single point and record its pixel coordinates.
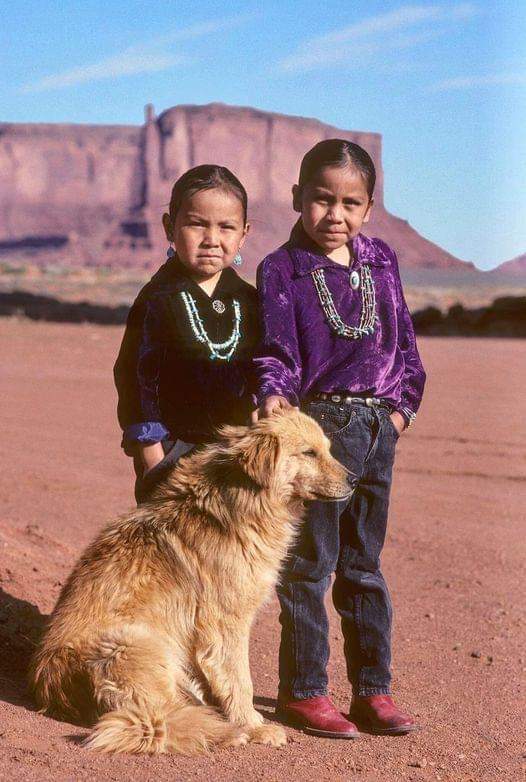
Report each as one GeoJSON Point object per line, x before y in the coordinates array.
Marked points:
{"type": "Point", "coordinates": [345, 538]}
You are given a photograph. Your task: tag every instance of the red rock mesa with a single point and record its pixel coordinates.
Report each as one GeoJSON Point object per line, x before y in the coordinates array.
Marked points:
{"type": "Point", "coordinates": [94, 194]}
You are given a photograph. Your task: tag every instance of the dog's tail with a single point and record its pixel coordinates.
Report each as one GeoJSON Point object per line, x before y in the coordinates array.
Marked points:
{"type": "Point", "coordinates": [55, 679]}
{"type": "Point", "coordinates": [177, 727]}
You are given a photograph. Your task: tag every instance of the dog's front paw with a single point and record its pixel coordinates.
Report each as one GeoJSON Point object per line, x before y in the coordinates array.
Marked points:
{"type": "Point", "coordinates": [252, 720]}
{"type": "Point", "coordinates": [273, 735]}
{"type": "Point", "coordinates": [241, 739]}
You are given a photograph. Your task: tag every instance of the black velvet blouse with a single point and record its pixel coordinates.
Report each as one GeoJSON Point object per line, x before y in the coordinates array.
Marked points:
{"type": "Point", "coordinates": [185, 364]}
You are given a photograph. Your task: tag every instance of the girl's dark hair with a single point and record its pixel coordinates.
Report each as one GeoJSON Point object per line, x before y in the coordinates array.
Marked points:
{"type": "Point", "coordinates": [340, 153]}
{"type": "Point", "coordinates": [206, 177]}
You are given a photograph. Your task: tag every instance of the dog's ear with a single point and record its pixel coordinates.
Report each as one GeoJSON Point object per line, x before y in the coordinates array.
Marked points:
{"type": "Point", "coordinates": [259, 456]}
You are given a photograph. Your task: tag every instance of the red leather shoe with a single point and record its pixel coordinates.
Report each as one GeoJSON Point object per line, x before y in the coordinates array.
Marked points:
{"type": "Point", "coordinates": [317, 716]}
{"type": "Point", "coordinates": [379, 714]}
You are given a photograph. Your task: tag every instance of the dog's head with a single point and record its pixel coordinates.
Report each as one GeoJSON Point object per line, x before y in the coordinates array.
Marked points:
{"type": "Point", "coordinates": [289, 454]}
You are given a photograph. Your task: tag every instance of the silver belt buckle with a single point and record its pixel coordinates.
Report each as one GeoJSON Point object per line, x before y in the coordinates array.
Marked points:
{"type": "Point", "coordinates": [335, 398]}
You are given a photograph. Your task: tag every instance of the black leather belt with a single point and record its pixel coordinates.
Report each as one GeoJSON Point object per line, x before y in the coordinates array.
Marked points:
{"type": "Point", "coordinates": [340, 397]}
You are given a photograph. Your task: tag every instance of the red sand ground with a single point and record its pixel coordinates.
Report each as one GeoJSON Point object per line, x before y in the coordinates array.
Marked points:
{"type": "Point", "coordinates": [454, 560]}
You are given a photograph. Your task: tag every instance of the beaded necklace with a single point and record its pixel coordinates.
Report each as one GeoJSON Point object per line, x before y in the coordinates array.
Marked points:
{"type": "Point", "coordinates": [368, 314]}
{"type": "Point", "coordinates": [218, 350]}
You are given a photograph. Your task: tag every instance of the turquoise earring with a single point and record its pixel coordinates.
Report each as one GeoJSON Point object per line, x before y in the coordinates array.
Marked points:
{"type": "Point", "coordinates": [238, 260]}
{"type": "Point", "coordinates": [170, 253]}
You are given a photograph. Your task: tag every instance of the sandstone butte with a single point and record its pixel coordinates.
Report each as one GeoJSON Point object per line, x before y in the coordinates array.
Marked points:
{"type": "Point", "coordinates": [514, 268]}
{"type": "Point", "coordinates": [94, 194]}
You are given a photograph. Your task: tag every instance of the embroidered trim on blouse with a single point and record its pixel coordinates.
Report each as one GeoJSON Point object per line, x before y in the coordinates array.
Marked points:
{"type": "Point", "coordinates": [218, 350]}
{"type": "Point", "coordinates": [368, 313]}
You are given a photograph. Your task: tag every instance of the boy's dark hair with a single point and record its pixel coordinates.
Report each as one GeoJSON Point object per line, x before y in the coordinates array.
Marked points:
{"type": "Point", "coordinates": [206, 177]}
{"type": "Point", "coordinates": [338, 152]}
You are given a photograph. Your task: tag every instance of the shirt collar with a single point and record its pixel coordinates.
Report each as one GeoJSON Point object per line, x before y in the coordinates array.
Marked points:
{"type": "Point", "coordinates": [307, 256]}
{"type": "Point", "coordinates": [229, 282]}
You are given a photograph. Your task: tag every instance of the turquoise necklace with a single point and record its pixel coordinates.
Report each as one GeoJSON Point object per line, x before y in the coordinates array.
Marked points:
{"type": "Point", "coordinates": [218, 350]}
{"type": "Point", "coordinates": [368, 316]}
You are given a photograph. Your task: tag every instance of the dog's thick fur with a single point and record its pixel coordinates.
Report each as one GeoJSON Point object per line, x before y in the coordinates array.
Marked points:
{"type": "Point", "coordinates": [150, 633]}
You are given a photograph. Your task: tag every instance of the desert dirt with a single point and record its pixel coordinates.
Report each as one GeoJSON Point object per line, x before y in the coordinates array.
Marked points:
{"type": "Point", "coordinates": [454, 559]}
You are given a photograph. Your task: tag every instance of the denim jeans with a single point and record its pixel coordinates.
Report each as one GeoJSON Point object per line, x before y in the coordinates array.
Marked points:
{"type": "Point", "coordinates": [345, 539]}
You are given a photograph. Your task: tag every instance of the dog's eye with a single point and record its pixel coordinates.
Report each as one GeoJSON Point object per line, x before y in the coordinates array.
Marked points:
{"type": "Point", "coordinates": [310, 452]}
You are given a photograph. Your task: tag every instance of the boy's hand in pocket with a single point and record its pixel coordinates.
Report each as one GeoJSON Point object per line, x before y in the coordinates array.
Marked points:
{"type": "Point", "coordinates": [398, 421]}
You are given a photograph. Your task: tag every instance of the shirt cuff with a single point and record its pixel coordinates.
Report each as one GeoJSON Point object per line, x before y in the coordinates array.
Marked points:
{"type": "Point", "coordinates": [147, 433]}
{"type": "Point", "coordinates": [407, 414]}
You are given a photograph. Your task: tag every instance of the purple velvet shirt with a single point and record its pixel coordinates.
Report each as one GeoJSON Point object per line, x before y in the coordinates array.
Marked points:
{"type": "Point", "coordinates": [302, 355]}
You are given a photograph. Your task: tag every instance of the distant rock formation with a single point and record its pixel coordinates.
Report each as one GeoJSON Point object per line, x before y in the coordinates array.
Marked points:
{"type": "Point", "coordinates": [94, 195]}
{"type": "Point", "coordinates": [515, 268]}
{"type": "Point", "coordinates": [505, 317]}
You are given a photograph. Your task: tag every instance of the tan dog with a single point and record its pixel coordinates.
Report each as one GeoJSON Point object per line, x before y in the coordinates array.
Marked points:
{"type": "Point", "coordinates": [154, 621]}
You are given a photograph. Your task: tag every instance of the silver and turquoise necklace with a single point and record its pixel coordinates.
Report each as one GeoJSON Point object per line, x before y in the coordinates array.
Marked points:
{"type": "Point", "coordinates": [218, 350]}
{"type": "Point", "coordinates": [368, 318]}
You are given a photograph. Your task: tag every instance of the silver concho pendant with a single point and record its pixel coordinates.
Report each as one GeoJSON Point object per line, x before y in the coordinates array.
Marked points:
{"type": "Point", "coordinates": [218, 306]}
{"type": "Point", "coordinates": [354, 280]}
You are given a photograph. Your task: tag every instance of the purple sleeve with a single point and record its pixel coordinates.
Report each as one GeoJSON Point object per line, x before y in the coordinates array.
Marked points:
{"type": "Point", "coordinates": [147, 433]}
{"type": "Point", "coordinates": [277, 362]}
{"type": "Point", "coordinates": [414, 378]}
{"type": "Point", "coordinates": [150, 429]}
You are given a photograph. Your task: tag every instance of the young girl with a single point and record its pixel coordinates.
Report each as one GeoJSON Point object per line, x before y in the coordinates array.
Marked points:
{"type": "Point", "coordinates": [338, 340]}
{"type": "Point", "coordinates": [183, 367]}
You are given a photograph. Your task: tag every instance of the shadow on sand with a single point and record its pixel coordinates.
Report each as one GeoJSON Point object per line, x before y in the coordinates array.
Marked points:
{"type": "Point", "coordinates": [21, 626]}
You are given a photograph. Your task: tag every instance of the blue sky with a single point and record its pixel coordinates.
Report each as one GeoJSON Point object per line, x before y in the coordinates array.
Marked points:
{"type": "Point", "coordinates": [444, 83]}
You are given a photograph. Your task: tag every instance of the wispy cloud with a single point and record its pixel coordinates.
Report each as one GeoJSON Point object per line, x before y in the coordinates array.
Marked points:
{"type": "Point", "coordinates": [471, 82]}
{"type": "Point", "coordinates": [129, 62]}
{"type": "Point", "coordinates": [403, 27]}
{"type": "Point", "coordinates": [146, 57]}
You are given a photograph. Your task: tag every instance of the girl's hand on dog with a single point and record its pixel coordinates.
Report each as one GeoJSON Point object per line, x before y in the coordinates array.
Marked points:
{"type": "Point", "coordinates": [398, 421]}
{"type": "Point", "coordinates": [269, 406]}
{"type": "Point", "coordinates": [151, 455]}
